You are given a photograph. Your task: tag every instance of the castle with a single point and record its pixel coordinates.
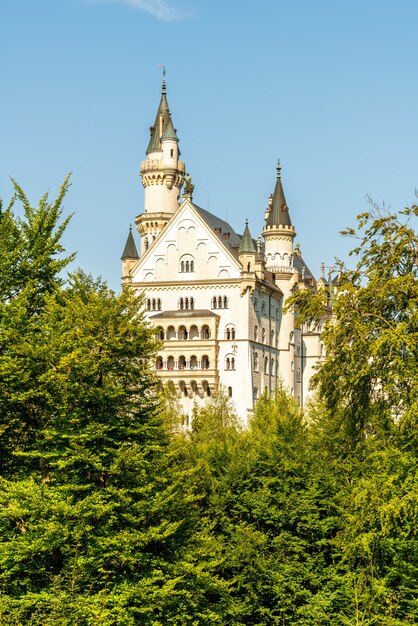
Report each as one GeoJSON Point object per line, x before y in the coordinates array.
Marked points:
{"type": "Point", "coordinates": [215, 297]}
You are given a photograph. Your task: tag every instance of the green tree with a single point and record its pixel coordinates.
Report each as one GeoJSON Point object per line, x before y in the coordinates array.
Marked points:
{"type": "Point", "coordinates": [97, 519]}
{"type": "Point", "coordinates": [367, 424]}
{"type": "Point", "coordinates": [370, 376]}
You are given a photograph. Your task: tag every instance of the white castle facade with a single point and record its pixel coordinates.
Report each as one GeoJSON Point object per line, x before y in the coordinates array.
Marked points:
{"type": "Point", "coordinates": [215, 297]}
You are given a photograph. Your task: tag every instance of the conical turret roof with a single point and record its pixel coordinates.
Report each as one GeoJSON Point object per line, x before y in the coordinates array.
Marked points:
{"type": "Point", "coordinates": [247, 245]}
{"type": "Point", "coordinates": [170, 131]}
{"type": "Point", "coordinates": [279, 212]}
{"type": "Point", "coordinates": [130, 251]}
{"type": "Point", "coordinates": [162, 120]}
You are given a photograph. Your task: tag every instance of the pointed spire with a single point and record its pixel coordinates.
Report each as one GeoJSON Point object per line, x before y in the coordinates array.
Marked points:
{"type": "Point", "coordinates": [130, 251]}
{"type": "Point", "coordinates": [170, 131]}
{"type": "Point", "coordinates": [247, 244]}
{"type": "Point", "coordinates": [279, 213]}
{"type": "Point", "coordinates": [162, 120]}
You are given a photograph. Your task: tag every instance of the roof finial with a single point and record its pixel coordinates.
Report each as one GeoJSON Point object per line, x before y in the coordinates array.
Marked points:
{"type": "Point", "coordinates": [164, 72]}
{"type": "Point", "coordinates": [322, 270]}
{"type": "Point", "coordinates": [279, 169]}
{"type": "Point", "coordinates": [246, 221]}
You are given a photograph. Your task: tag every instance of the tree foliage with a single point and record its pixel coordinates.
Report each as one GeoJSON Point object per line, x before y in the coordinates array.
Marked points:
{"type": "Point", "coordinates": [112, 512]}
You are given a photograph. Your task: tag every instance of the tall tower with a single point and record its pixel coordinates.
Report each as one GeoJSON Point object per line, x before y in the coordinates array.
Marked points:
{"type": "Point", "coordinates": [162, 175]}
{"type": "Point", "coordinates": [279, 234]}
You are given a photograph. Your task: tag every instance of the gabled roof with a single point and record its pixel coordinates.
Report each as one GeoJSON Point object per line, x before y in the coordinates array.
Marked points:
{"type": "Point", "coordinates": [221, 228]}
{"type": "Point", "coordinates": [130, 251]}
{"type": "Point", "coordinates": [279, 212]}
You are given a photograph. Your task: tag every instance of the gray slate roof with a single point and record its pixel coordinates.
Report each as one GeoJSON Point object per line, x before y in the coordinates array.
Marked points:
{"type": "Point", "coordinates": [130, 251]}
{"type": "Point", "coordinates": [184, 314]}
{"type": "Point", "coordinates": [279, 213]}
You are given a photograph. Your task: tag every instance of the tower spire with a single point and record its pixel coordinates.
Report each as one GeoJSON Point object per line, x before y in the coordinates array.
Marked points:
{"type": "Point", "coordinates": [279, 213]}
{"type": "Point", "coordinates": [162, 120]}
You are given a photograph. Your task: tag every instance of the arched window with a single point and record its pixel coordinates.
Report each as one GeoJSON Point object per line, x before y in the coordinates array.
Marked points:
{"type": "Point", "coordinates": [272, 338]}
{"type": "Point", "coordinates": [205, 362]}
{"type": "Point", "coordinates": [292, 366]}
{"type": "Point", "coordinates": [256, 361]}
{"type": "Point", "coordinates": [263, 335]}
{"type": "Point", "coordinates": [291, 337]}
{"type": "Point", "coordinates": [159, 363]}
{"type": "Point", "coordinates": [272, 367]}
{"type": "Point", "coordinates": [193, 362]}
{"type": "Point", "coordinates": [205, 332]}
{"type": "Point", "coordinates": [182, 362]}
{"type": "Point", "coordinates": [186, 263]}
{"type": "Point", "coordinates": [194, 332]}
{"type": "Point", "coordinates": [255, 333]}
{"type": "Point", "coordinates": [266, 365]}
{"type": "Point", "coordinates": [171, 333]}
{"type": "Point", "coordinates": [229, 362]}
{"type": "Point", "coordinates": [170, 363]}
{"type": "Point", "coordinates": [230, 332]}
{"type": "Point", "coordinates": [206, 387]}
{"type": "Point", "coordinates": [230, 392]}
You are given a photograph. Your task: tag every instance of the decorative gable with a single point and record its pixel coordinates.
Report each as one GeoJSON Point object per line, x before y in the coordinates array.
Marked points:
{"type": "Point", "coordinates": [187, 249]}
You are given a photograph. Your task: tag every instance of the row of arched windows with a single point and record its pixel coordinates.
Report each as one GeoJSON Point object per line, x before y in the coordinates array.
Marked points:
{"type": "Point", "coordinates": [193, 389]}
{"type": "Point", "coordinates": [219, 302]}
{"type": "Point", "coordinates": [264, 334]}
{"type": "Point", "coordinates": [187, 266]}
{"type": "Point", "coordinates": [182, 333]}
{"type": "Point", "coordinates": [183, 363]}
{"type": "Point", "coordinates": [273, 370]}
{"type": "Point", "coordinates": [153, 304]}
{"type": "Point", "coordinates": [186, 304]}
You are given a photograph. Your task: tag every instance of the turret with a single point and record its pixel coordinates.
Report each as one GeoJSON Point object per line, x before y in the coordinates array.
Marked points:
{"type": "Point", "coordinates": [129, 257]}
{"type": "Point", "coordinates": [162, 175]}
{"type": "Point", "coordinates": [246, 251]}
{"type": "Point", "coordinates": [278, 232]}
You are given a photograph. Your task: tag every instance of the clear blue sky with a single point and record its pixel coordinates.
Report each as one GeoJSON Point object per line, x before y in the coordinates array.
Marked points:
{"type": "Point", "coordinates": [329, 86]}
